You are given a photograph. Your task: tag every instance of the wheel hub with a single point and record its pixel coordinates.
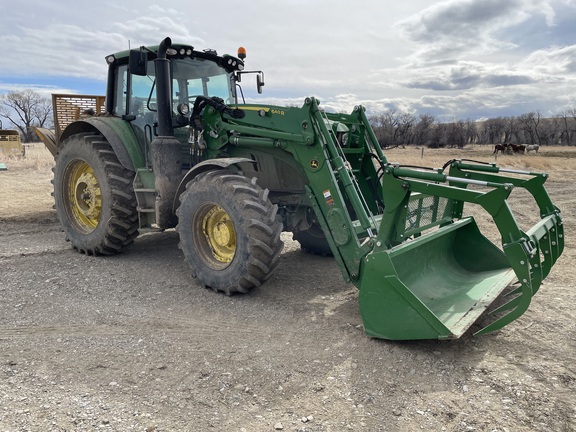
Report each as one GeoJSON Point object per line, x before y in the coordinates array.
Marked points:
{"type": "Point", "coordinates": [84, 196]}
{"type": "Point", "coordinates": [220, 234]}
{"type": "Point", "coordinates": [88, 196]}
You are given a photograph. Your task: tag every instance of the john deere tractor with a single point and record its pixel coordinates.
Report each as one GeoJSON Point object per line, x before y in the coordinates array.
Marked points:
{"type": "Point", "coordinates": [171, 145]}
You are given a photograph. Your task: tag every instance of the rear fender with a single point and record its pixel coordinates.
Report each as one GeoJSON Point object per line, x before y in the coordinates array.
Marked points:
{"type": "Point", "coordinates": [208, 165]}
{"type": "Point", "coordinates": [117, 132]}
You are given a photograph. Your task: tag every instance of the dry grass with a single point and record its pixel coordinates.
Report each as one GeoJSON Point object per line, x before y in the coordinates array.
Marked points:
{"type": "Point", "coordinates": [549, 159]}
{"type": "Point", "coordinates": [25, 189]}
{"type": "Point", "coordinates": [37, 158]}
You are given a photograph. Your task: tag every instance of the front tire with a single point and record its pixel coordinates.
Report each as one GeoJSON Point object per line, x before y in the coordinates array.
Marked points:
{"type": "Point", "coordinates": [94, 197]}
{"type": "Point", "coordinates": [228, 231]}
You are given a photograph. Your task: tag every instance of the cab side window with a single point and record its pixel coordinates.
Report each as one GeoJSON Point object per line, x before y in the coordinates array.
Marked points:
{"type": "Point", "coordinates": [143, 97]}
{"type": "Point", "coordinates": [121, 88]}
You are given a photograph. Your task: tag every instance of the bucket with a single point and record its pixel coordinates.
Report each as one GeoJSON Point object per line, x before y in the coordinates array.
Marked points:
{"type": "Point", "coordinates": [434, 286]}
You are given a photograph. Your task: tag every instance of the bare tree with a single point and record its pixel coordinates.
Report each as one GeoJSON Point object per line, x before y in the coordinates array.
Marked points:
{"type": "Point", "coordinates": [536, 122]}
{"type": "Point", "coordinates": [552, 131]}
{"type": "Point", "coordinates": [566, 133]}
{"type": "Point", "coordinates": [386, 127]}
{"type": "Point", "coordinates": [391, 120]}
{"type": "Point", "coordinates": [527, 123]}
{"type": "Point", "coordinates": [471, 132]}
{"type": "Point", "coordinates": [378, 123]}
{"type": "Point", "coordinates": [493, 130]}
{"type": "Point", "coordinates": [404, 132]}
{"type": "Point", "coordinates": [423, 129]}
{"type": "Point", "coordinates": [511, 129]}
{"type": "Point", "coordinates": [572, 113]}
{"type": "Point", "coordinates": [438, 136]}
{"type": "Point", "coordinates": [455, 134]}
{"type": "Point", "coordinates": [25, 109]}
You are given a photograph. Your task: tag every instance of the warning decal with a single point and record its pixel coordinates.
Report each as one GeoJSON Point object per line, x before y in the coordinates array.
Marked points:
{"type": "Point", "coordinates": [328, 197]}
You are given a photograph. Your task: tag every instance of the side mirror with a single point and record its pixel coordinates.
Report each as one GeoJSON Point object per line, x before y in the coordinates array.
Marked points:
{"type": "Point", "coordinates": [138, 62]}
{"type": "Point", "coordinates": [260, 82]}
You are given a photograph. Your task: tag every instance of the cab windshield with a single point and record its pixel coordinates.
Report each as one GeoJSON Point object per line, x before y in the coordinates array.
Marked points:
{"type": "Point", "coordinates": [191, 77]}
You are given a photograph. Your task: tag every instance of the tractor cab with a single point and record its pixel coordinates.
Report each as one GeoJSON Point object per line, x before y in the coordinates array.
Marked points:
{"type": "Point", "coordinates": [134, 78]}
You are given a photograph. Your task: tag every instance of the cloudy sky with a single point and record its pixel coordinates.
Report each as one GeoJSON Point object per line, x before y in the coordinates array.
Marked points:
{"type": "Point", "coordinates": [449, 58]}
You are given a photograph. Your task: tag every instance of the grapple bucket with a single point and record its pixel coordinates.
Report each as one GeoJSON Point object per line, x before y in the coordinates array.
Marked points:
{"type": "Point", "coordinates": [435, 286]}
{"type": "Point", "coordinates": [422, 283]}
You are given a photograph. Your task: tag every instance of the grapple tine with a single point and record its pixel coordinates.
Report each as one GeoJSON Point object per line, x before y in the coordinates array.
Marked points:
{"type": "Point", "coordinates": [511, 304]}
{"type": "Point", "coordinates": [519, 305]}
{"type": "Point", "coordinates": [547, 237]}
{"type": "Point", "coordinates": [514, 292]}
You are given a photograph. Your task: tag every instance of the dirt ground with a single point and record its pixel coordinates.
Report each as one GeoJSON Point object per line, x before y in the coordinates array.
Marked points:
{"type": "Point", "coordinates": [133, 343]}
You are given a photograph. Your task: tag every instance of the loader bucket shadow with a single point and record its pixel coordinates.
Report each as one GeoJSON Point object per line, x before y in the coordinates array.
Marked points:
{"type": "Point", "coordinates": [433, 287]}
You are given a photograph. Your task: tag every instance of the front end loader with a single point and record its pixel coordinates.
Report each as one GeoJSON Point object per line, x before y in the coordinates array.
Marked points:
{"type": "Point", "coordinates": [175, 148]}
{"type": "Point", "coordinates": [400, 234]}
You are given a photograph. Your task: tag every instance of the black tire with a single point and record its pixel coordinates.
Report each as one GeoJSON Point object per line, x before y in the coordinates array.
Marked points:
{"type": "Point", "coordinates": [94, 196]}
{"type": "Point", "coordinates": [313, 241]}
{"type": "Point", "coordinates": [228, 231]}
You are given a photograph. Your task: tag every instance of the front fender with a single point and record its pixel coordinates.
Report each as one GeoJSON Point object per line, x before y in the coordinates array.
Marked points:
{"type": "Point", "coordinates": [207, 165]}
{"type": "Point", "coordinates": [118, 133]}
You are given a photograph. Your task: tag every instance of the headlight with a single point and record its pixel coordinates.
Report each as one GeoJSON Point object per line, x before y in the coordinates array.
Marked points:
{"type": "Point", "coordinates": [183, 109]}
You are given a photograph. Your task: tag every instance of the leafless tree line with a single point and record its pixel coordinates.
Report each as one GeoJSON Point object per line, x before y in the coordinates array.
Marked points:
{"type": "Point", "coordinates": [395, 128]}
{"type": "Point", "coordinates": [26, 109]}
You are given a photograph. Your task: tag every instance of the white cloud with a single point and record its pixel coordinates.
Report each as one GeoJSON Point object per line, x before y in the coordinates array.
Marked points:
{"type": "Point", "coordinates": [555, 61]}
{"type": "Point", "coordinates": [469, 28]}
{"type": "Point", "coordinates": [451, 57]}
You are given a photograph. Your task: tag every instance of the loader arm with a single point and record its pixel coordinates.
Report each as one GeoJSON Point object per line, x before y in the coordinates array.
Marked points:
{"type": "Point", "coordinates": [400, 234]}
{"type": "Point", "coordinates": [332, 188]}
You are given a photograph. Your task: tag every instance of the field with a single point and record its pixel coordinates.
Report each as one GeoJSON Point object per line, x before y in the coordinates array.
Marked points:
{"type": "Point", "coordinates": [132, 343]}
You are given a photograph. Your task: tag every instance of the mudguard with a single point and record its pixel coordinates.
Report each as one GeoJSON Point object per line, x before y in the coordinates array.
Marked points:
{"type": "Point", "coordinates": [118, 133]}
{"type": "Point", "coordinates": [208, 165]}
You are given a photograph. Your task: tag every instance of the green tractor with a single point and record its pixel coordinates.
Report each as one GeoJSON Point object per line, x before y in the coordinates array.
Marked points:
{"type": "Point", "coordinates": [173, 147]}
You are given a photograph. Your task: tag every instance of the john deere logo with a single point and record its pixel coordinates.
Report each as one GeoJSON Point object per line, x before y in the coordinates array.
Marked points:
{"type": "Point", "coordinates": [314, 164]}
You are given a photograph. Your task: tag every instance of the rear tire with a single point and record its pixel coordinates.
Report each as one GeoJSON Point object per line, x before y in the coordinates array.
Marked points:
{"type": "Point", "coordinates": [94, 196]}
{"type": "Point", "coordinates": [228, 231]}
{"type": "Point", "coordinates": [313, 241]}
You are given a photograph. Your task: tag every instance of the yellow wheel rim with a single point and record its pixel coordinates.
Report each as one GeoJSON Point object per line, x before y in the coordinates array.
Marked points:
{"type": "Point", "coordinates": [219, 233]}
{"type": "Point", "coordinates": [83, 196]}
